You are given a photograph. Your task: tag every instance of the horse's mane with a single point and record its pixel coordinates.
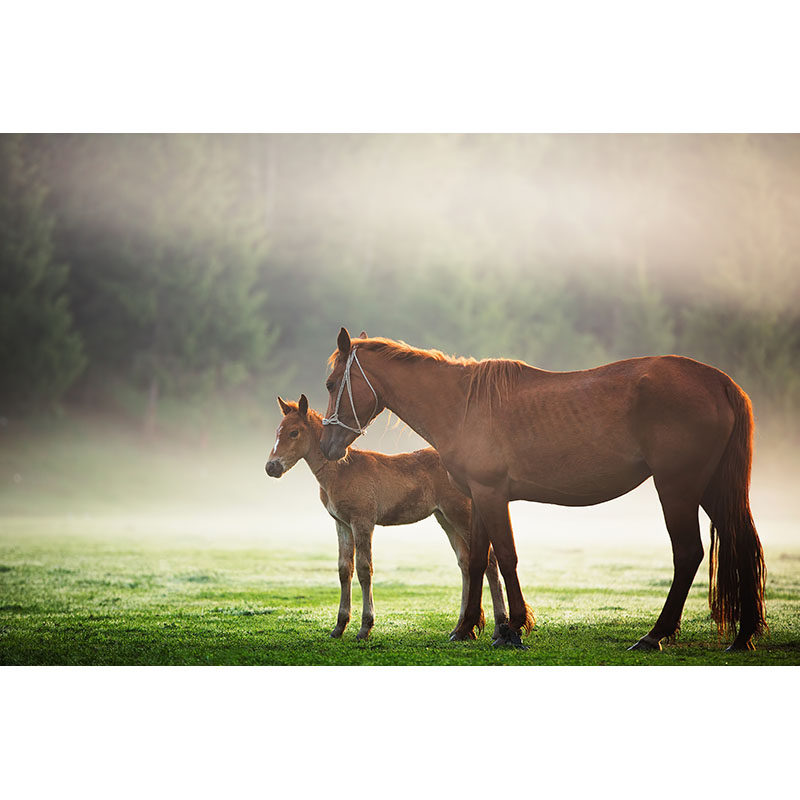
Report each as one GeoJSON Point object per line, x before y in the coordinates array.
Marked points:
{"type": "Point", "coordinates": [489, 378]}
{"type": "Point", "coordinates": [392, 349]}
{"type": "Point", "coordinates": [493, 377]}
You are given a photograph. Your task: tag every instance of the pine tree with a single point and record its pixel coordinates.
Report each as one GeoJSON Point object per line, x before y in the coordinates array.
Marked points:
{"type": "Point", "coordinates": [40, 352]}
{"type": "Point", "coordinates": [167, 256]}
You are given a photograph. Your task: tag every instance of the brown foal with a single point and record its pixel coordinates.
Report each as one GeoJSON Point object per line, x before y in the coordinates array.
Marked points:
{"type": "Point", "coordinates": [365, 489]}
{"type": "Point", "coordinates": [507, 431]}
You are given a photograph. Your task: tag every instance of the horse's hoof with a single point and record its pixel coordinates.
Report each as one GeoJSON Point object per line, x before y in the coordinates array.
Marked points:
{"type": "Point", "coordinates": [462, 636]}
{"type": "Point", "coordinates": [362, 636]}
{"type": "Point", "coordinates": [737, 648]}
{"type": "Point", "coordinates": [507, 643]}
{"type": "Point", "coordinates": [646, 643]}
{"type": "Point", "coordinates": [336, 633]}
{"type": "Point", "coordinates": [509, 638]}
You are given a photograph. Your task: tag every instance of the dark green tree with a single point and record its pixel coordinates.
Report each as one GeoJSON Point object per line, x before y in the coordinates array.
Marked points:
{"type": "Point", "coordinates": [166, 257]}
{"type": "Point", "coordinates": [40, 352]}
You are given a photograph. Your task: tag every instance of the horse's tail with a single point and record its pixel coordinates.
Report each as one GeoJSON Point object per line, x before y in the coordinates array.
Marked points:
{"type": "Point", "coordinates": [737, 573]}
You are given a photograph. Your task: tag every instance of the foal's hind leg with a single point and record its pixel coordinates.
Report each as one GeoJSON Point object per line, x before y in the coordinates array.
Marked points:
{"type": "Point", "coordinates": [498, 598]}
{"type": "Point", "coordinates": [680, 514]}
{"type": "Point", "coordinates": [362, 533]}
{"type": "Point", "coordinates": [461, 550]}
{"type": "Point", "coordinates": [346, 551]}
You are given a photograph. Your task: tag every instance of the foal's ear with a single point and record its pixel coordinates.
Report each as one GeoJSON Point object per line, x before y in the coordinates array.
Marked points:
{"type": "Point", "coordinates": [285, 407]}
{"type": "Point", "coordinates": [362, 335]}
{"type": "Point", "coordinates": [344, 342]}
{"type": "Point", "coordinates": [302, 405]}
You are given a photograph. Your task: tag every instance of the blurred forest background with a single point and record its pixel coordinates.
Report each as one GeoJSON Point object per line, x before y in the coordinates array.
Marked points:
{"type": "Point", "coordinates": [173, 281]}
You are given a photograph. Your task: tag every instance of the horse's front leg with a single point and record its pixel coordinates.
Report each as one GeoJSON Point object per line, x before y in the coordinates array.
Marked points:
{"type": "Point", "coordinates": [471, 611]}
{"type": "Point", "coordinates": [346, 552]}
{"type": "Point", "coordinates": [362, 533]}
{"type": "Point", "coordinates": [492, 506]}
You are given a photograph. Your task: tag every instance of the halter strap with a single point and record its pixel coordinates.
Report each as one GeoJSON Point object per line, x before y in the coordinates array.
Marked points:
{"type": "Point", "coordinates": [333, 419]}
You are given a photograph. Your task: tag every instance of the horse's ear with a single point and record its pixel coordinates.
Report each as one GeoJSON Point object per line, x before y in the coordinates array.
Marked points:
{"type": "Point", "coordinates": [285, 407]}
{"type": "Point", "coordinates": [362, 335]}
{"type": "Point", "coordinates": [344, 342]}
{"type": "Point", "coordinates": [302, 404]}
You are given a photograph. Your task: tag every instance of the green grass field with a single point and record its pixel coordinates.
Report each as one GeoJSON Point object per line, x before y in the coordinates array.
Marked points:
{"type": "Point", "coordinates": [101, 563]}
{"type": "Point", "coordinates": [107, 592]}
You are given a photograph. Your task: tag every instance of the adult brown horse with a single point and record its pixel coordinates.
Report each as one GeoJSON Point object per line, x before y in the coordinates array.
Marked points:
{"type": "Point", "coordinates": [507, 431]}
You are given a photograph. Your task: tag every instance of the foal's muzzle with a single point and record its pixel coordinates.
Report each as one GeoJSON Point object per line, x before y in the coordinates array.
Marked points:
{"type": "Point", "coordinates": [274, 468]}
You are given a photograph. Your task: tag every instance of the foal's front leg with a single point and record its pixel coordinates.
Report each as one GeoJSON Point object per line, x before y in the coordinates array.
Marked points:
{"type": "Point", "coordinates": [346, 551]}
{"type": "Point", "coordinates": [362, 533]}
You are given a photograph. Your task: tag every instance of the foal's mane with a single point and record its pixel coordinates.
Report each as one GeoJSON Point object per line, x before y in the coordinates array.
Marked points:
{"type": "Point", "coordinates": [490, 378]}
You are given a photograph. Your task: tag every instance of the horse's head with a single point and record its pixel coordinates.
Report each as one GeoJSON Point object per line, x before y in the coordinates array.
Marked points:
{"type": "Point", "coordinates": [293, 439]}
{"type": "Point", "coordinates": [353, 402]}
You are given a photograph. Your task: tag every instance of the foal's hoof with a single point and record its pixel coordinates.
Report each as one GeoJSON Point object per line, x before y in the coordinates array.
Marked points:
{"type": "Point", "coordinates": [336, 633]}
{"type": "Point", "coordinates": [509, 638]}
{"type": "Point", "coordinates": [462, 635]}
{"type": "Point", "coordinates": [362, 635]}
{"type": "Point", "coordinates": [647, 642]}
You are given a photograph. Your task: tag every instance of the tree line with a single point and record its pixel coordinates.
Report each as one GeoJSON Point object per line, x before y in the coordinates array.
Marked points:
{"type": "Point", "coordinates": [191, 266]}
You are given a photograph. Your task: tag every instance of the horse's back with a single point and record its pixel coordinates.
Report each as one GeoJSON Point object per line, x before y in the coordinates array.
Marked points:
{"type": "Point", "coordinates": [580, 438]}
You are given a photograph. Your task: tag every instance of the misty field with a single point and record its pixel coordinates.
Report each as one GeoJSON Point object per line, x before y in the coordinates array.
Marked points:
{"type": "Point", "coordinates": [159, 291]}
{"type": "Point", "coordinates": [116, 550]}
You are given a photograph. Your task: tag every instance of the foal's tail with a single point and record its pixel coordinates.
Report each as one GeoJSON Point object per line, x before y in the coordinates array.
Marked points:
{"type": "Point", "coordinates": [737, 573]}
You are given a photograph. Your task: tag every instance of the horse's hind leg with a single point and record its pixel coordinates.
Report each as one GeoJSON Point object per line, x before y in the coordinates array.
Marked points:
{"type": "Point", "coordinates": [681, 516]}
{"type": "Point", "coordinates": [346, 552]}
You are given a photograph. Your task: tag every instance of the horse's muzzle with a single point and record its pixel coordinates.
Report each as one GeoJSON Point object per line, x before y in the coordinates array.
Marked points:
{"type": "Point", "coordinates": [274, 468]}
{"type": "Point", "coordinates": [333, 450]}
{"type": "Point", "coordinates": [334, 442]}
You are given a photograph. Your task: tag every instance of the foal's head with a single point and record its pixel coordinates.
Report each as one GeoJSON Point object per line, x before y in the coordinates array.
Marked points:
{"type": "Point", "coordinates": [293, 439]}
{"type": "Point", "coordinates": [353, 402]}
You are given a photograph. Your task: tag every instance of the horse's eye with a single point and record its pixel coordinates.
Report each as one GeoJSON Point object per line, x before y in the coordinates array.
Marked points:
{"type": "Point", "coordinates": [294, 434]}
{"type": "Point", "coordinates": [329, 386]}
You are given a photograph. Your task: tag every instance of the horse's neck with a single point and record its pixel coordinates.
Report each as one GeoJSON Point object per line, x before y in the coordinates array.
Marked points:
{"type": "Point", "coordinates": [427, 395]}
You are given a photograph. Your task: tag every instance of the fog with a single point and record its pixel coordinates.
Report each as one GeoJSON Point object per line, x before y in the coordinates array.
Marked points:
{"type": "Point", "coordinates": [185, 281]}
{"type": "Point", "coordinates": [291, 503]}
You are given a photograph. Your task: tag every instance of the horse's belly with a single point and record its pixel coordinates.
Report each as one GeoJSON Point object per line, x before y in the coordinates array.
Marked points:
{"type": "Point", "coordinates": [577, 485]}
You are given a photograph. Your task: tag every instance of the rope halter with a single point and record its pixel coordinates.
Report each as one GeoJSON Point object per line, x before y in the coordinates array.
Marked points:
{"type": "Point", "coordinates": [333, 419]}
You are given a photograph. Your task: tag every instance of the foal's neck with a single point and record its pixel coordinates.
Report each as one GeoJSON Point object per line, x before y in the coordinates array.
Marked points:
{"type": "Point", "coordinates": [319, 465]}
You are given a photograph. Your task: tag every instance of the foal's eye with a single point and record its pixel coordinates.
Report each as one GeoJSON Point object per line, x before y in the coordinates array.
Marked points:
{"type": "Point", "coordinates": [294, 434]}
{"type": "Point", "coordinates": [329, 386]}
